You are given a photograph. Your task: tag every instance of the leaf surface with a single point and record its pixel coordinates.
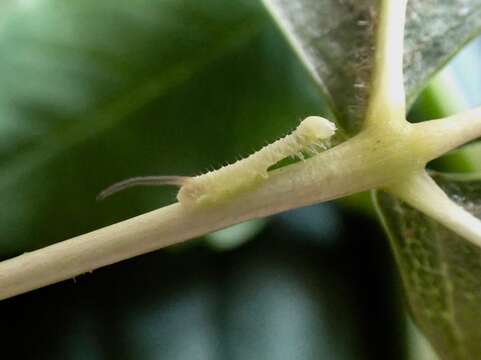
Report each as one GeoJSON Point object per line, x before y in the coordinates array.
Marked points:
{"type": "Point", "coordinates": [334, 40]}
{"type": "Point", "coordinates": [440, 270]}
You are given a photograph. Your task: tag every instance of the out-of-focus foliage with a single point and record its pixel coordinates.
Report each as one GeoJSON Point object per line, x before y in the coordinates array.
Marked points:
{"type": "Point", "coordinates": [94, 92]}
{"type": "Point", "coordinates": [441, 270]}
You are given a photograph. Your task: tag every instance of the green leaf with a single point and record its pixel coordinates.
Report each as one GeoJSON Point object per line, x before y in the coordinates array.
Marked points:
{"type": "Point", "coordinates": [71, 71]}
{"type": "Point", "coordinates": [440, 270]}
{"type": "Point", "coordinates": [435, 32]}
{"type": "Point", "coordinates": [334, 39]}
{"type": "Point", "coordinates": [94, 92]}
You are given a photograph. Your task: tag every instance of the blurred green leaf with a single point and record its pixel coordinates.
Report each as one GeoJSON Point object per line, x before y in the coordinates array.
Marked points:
{"type": "Point", "coordinates": [96, 92]}
{"type": "Point", "coordinates": [334, 39]}
{"type": "Point", "coordinates": [441, 271]}
{"type": "Point", "coordinates": [72, 70]}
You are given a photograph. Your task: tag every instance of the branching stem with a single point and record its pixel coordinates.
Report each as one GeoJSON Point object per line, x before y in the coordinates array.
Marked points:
{"type": "Point", "coordinates": [334, 173]}
{"type": "Point", "coordinates": [421, 192]}
{"type": "Point", "coordinates": [388, 100]}
{"type": "Point", "coordinates": [440, 136]}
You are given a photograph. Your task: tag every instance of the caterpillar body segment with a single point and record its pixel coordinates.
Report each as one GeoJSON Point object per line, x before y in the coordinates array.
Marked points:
{"type": "Point", "coordinates": [309, 137]}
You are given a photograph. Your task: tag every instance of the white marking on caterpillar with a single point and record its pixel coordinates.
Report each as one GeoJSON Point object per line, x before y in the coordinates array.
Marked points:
{"type": "Point", "coordinates": [311, 137]}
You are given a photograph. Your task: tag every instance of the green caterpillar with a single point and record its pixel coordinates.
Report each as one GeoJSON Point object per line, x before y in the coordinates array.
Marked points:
{"type": "Point", "coordinates": [309, 137]}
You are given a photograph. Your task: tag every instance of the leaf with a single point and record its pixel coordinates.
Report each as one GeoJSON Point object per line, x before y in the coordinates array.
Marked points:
{"type": "Point", "coordinates": [94, 92]}
{"type": "Point", "coordinates": [440, 270]}
{"type": "Point", "coordinates": [435, 32]}
{"type": "Point", "coordinates": [68, 73]}
{"type": "Point", "coordinates": [334, 39]}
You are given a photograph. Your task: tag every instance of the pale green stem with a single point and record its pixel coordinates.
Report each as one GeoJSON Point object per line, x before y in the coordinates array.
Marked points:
{"type": "Point", "coordinates": [436, 137]}
{"type": "Point", "coordinates": [377, 157]}
{"type": "Point", "coordinates": [388, 100]}
{"type": "Point", "coordinates": [430, 140]}
{"type": "Point", "coordinates": [337, 172]}
{"type": "Point", "coordinates": [420, 191]}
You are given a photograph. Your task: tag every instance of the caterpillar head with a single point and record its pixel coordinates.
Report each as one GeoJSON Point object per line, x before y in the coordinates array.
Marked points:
{"type": "Point", "coordinates": [315, 127]}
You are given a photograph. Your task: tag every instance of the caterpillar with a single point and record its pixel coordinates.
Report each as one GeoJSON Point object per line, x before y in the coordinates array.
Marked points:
{"type": "Point", "coordinates": [311, 136]}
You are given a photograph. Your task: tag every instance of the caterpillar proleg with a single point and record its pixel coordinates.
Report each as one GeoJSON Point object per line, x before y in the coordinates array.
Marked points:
{"type": "Point", "coordinates": [311, 136]}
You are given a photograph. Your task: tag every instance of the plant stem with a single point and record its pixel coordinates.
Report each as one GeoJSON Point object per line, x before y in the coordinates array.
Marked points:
{"type": "Point", "coordinates": [377, 157]}
{"type": "Point", "coordinates": [340, 171]}
{"type": "Point", "coordinates": [440, 136]}
{"type": "Point", "coordinates": [421, 192]}
{"type": "Point", "coordinates": [388, 100]}
{"type": "Point", "coordinates": [444, 97]}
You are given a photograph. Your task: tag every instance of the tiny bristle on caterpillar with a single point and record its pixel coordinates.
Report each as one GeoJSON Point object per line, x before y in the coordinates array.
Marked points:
{"type": "Point", "coordinates": [309, 137]}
